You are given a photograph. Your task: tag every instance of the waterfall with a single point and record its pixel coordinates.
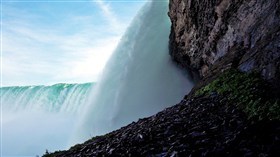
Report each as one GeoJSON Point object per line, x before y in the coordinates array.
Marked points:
{"type": "Point", "coordinates": [55, 98]}
{"type": "Point", "coordinates": [36, 118]}
{"type": "Point", "coordinates": [139, 79]}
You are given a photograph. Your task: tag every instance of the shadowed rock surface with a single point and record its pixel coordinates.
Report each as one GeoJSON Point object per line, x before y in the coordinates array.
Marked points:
{"type": "Point", "coordinates": [244, 34]}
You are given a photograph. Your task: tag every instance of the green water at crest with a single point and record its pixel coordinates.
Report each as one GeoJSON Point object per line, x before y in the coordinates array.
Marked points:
{"type": "Point", "coordinates": [55, 98]}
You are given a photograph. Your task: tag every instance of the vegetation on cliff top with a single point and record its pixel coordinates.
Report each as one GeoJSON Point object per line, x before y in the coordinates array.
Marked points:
{"type": "Point", "coordinates": [248, 90]}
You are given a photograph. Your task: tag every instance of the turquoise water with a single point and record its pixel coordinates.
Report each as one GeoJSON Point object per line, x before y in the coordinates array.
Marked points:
{"type": "Point", "coordinates": [56, 98]}
{"type": "Point", "coordinates": [36, 118]}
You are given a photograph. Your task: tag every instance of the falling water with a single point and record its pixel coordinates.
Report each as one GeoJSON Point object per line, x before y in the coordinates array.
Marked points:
{"type": "Point", "coordinates": [139, 79]}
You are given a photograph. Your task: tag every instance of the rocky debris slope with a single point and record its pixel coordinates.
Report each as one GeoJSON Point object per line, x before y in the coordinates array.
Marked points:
{"type": "Point", "coordinates": [201, 126]}
{"type": "Point", "coordinates": [211, 122]}
{"type": "Point", "coordinates": [244, 34]}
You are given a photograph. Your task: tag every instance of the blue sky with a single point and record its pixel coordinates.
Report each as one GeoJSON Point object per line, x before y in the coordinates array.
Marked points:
{"type": "Point", "coordinates": [60, 41]}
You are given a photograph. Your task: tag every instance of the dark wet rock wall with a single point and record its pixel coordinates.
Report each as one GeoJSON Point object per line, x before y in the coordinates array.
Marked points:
{"type": "Point", "coordinates": [210, 36]}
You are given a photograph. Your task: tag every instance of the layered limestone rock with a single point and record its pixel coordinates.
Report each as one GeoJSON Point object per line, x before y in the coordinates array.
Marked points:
{"type": "Point", "coordinates": [211, 36]}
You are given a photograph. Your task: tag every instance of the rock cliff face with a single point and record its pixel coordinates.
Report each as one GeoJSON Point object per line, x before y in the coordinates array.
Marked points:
{"type": "Point", "coordinates": [211, 36]}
